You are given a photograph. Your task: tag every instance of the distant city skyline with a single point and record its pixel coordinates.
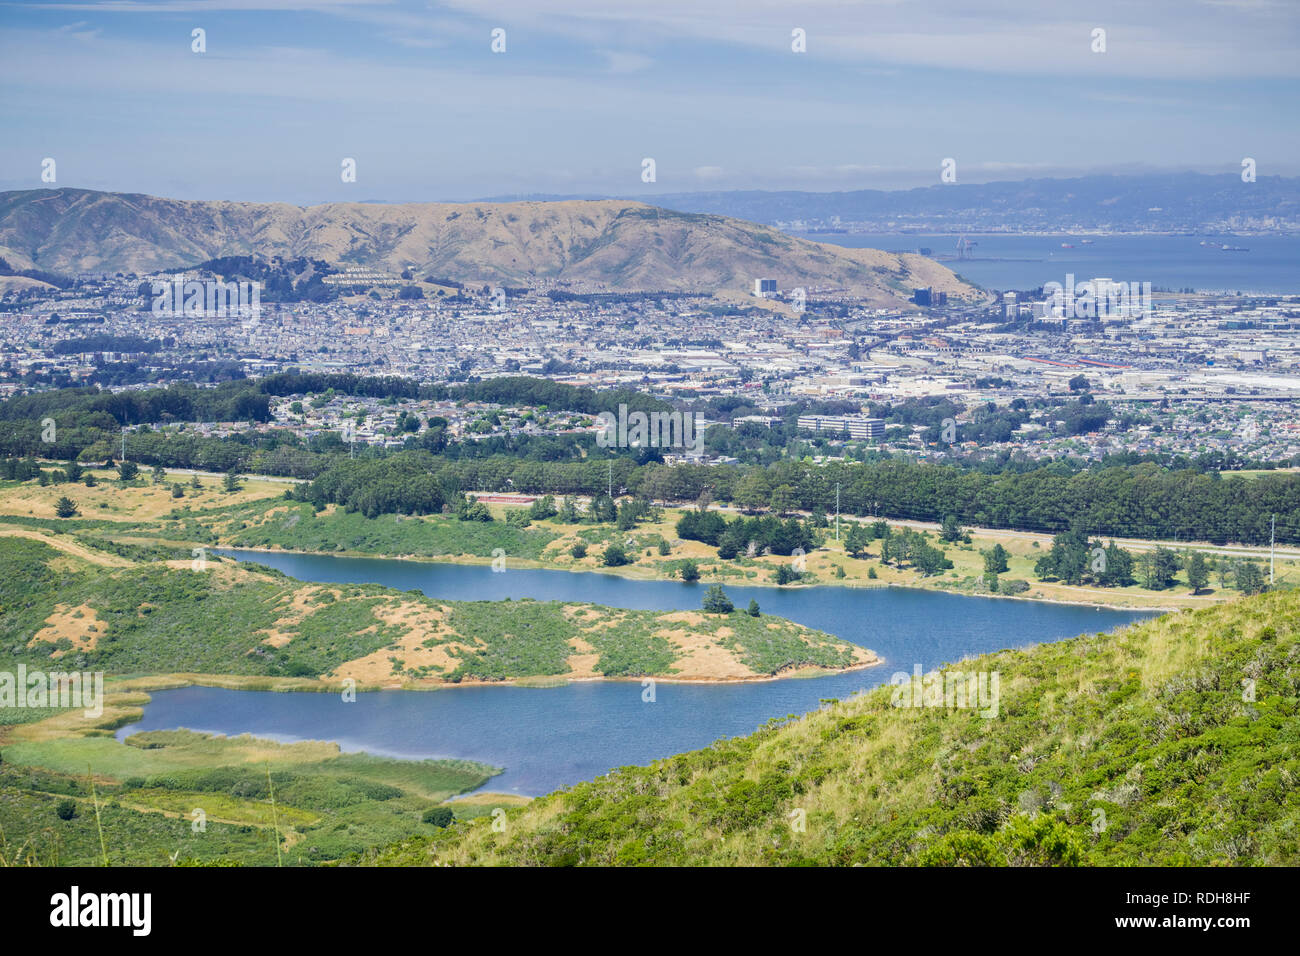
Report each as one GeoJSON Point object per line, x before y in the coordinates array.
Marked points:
{"type": "Point", "coordinates": [714, 93]}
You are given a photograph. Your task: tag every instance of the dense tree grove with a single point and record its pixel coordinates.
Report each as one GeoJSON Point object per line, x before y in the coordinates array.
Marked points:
{"type": "Point", "coordinates": [89, 420]}
{"type": "Point", "coordinates": [1140, 502]}
{"type": "Point", "coordinates": [525, 390]}
{"type": "Point", "coordinates": [1076, 559]}
{"type": "Point", "coordinates": [283, 384]}
{"type": "Point", "coordinates": [747, 535]}
{"type": "Point", "coordinates": [1143, 500]}
{"type": "Point", "coordinates": [402, 484]}
{"type": "Point", "coordinates": [909, 546]}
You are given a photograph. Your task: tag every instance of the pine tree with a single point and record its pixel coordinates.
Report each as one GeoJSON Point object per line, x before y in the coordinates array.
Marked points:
{"type": "Point", "coordinates": [1198, 575]}
{"type": "Point", "coordinates": [716, 600]}
{"type": "Point", "coordinates": [856, 541]}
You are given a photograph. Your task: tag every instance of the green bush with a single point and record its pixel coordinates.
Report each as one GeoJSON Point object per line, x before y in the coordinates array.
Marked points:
{"type": "Point", "coordinates": [439, 816]}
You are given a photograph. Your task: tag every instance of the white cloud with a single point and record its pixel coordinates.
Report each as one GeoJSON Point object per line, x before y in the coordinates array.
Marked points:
{"type": "Point", "coordinates": [1152, 38]}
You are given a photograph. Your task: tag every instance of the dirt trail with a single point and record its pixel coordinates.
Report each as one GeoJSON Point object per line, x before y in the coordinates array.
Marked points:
{"type": "Point", "coordinates": [67, 547]}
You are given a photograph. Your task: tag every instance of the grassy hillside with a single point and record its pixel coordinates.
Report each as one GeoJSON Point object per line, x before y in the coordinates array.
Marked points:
{"type": "Point", "coordinates": [1139, 747]}
{"type": "Point", "coordinates": [616, 244]}
{"type": "Point", "coordinates": [59, 609]}
{"type": "Point", "coordinates": [326, 804]}
{"type": "Point", "coordinates": [144, 523]}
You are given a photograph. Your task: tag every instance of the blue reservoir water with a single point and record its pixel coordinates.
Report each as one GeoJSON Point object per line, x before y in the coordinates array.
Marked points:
{"type": "Point", "coordinates": [552, 737]}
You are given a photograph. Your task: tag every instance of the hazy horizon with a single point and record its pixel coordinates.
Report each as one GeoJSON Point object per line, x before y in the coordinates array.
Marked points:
{"type": "Point", "coordinates": [882, 93]}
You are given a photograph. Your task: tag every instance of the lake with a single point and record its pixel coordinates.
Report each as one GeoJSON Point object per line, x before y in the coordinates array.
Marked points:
{"type": "Point", "coordinates": [552, 737]}
{"type": "Point", "coordinates": [1270, 264]}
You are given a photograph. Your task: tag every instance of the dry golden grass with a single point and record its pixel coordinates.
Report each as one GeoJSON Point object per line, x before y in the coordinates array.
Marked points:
{"type": "Point", "coordinates": [109, 501]}
{"type": "Point", "coordinates": [80, 625]}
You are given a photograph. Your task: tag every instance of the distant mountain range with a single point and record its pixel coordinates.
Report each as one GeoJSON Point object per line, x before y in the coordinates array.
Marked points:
{"type": "Point", "coordinates": [606, 244]}
{"type": "Point", "coordinates": [1156, 203]}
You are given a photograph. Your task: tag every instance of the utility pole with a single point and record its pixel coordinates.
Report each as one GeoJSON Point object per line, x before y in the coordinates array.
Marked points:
{"type": "Point", "coordinates": [837, 511]}
{"type": "Point", "coordinates": [124, 443]}
{"type": "Point", "coordinates": [610, 489]}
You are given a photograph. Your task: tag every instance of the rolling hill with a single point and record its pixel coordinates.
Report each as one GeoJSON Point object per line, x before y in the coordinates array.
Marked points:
{"type": "Point", "coordinates": [163, 617]}
{"type": "Point", "coordinates": [606, 244]}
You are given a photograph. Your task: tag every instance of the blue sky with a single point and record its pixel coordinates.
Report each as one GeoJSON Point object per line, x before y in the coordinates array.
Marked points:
{"type": "Point", "coordinates": [586, 89]}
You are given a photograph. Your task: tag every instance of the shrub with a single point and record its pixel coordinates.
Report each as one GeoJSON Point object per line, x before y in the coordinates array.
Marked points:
{"type": "Point", "coordinates": [474, 510]}
{"type": "Point", "coordinates": [543, 508]}
{"type": "Point", "coordinates": [962, 848]}
{"type": "Point", "coordinates": [66, 809]}
{"type": "Point", "coordinates": [439, 816]}
{"type": "Point", "coordinates": [1041, 841]}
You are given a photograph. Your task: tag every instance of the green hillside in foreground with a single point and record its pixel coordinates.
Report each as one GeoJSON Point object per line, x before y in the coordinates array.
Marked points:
{"type": "Point", "coordinates": [1170, 742]}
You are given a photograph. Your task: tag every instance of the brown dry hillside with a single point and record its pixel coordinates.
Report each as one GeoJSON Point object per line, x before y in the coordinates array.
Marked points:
{"type": "Point", "coordinates": [612, 244]}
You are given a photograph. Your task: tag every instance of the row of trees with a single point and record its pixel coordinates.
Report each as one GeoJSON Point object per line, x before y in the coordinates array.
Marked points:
{"type": "Point", "coordinates": [1075, 558]}
{"type": "Point", "coordinates": [1143, 501]}
{"type": "Point", "coordinates": [766, 534]}
{"type": "Point", "coordinates": [902, 547]}
{"type": "Point", "coordinates": [1138, 502]}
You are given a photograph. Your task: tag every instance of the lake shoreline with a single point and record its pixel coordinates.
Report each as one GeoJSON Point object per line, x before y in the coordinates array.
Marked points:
{"type": "Point", "coordinates": [525, 564]}
{"type": "Point", "coordinates": [309, 685]}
